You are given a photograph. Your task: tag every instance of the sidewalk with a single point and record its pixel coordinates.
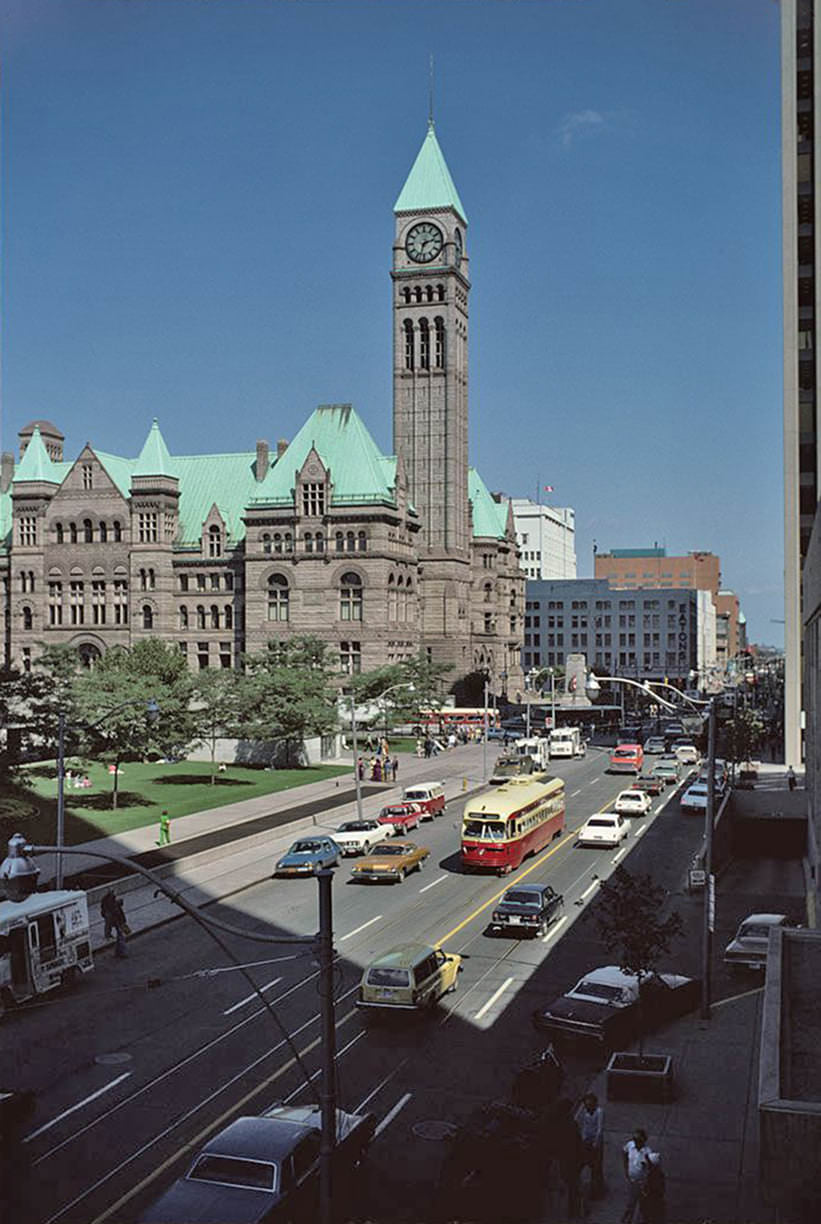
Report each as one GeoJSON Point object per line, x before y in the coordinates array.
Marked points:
{"type": "Point", "coordinates": [211, 875]}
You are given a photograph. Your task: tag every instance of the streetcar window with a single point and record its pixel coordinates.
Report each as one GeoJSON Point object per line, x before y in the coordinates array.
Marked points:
{"type": "Point", "coordinates": [489, 830]}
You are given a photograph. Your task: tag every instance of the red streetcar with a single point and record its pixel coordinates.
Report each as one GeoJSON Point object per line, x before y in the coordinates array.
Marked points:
{"type": "Point", "coordinates": [500, 828]}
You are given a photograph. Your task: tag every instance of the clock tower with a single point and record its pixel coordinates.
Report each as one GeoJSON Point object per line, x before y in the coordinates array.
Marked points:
{"type": "Point", "coordinates": [430, 389]}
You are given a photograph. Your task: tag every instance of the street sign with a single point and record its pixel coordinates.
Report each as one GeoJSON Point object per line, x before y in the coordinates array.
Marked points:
{"type": "Point", "coordinates": [698, 877]}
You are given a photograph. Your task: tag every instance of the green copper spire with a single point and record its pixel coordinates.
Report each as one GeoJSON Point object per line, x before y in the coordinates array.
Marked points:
{"type": "Point", "coordinates": [36, 463]}
{"type": "Point", "coordinates": [429, 184]}
{"type": "Point", "coordinates": [154, 458]}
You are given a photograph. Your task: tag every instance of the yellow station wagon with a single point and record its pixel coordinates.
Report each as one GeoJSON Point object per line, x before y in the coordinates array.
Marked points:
{"type": "Point", "coordinates": [409, 977]}
{"type": "Point", "coordinates": [391, 860]}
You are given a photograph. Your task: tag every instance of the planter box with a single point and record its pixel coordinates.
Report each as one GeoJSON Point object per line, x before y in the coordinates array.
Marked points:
{"type": "Point", "coordinates": [631, 1078]}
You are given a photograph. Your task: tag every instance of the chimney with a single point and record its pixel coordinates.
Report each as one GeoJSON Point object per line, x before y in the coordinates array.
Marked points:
{"type": "Point", "coordinates": [6, 471]}
{"type": "Point", "coordinates": [282, 446]}
{"type": "Point", "coordinates": [262, 460]}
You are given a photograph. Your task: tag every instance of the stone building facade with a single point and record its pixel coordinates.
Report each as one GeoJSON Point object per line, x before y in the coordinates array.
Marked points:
{"type": "Point", "coordinates": [381, 556]}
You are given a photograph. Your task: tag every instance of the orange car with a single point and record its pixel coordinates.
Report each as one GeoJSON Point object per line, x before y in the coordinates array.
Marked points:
{"type": "Point", "coordinates": [391, 860]}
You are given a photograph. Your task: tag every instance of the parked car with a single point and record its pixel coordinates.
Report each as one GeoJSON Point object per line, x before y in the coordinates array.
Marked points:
{"type": "Point", "coordinates": [633, 802]}
{"type": "Point", "coordinates": [409, 977]}
{"type": "Point", "coordinates": [603, 829]}
{"type": "Point", "coordinates": [649, 783]}
{"type": "Point", "coordinates": [496, 733]}
{"type": "Point", "coordinates": [748, 948]}
{"type": "Point", "coordinates": [399, 818]}
{"type": "Point", "coordinates": [307, 856]}
{"type": "Point", "coordinates": [694, 798]}
{"type": "Point", "coordinates": [687, 754]}
{"type": "Point", "coordinates": [669, 770]}
{"type": "Point", "coordinates": [428, 797]}
{"type": "Point", "coordinates": [527, 909]}
{"type": "Point", "coordinates": [261, 1169]}
{"type": "Point", "coordinates": [654, 746]}
{"type": "Point", "coordinates": [391, 861]}
{"type": "Point", "coordinates": [603, 1006]}
{"type": "Point", "coordinates": [358, 836]}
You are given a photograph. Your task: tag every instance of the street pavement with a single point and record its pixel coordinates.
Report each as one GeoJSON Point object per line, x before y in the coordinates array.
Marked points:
{"type": "Point", "coordinates": [708, 1135]}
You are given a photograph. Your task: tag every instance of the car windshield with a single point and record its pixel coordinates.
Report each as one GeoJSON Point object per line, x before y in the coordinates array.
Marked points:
{"type": "Point", "coordinates": [416, 794]}
{"type": "Point", "coordinates": [753, 932]}
{"type": "Point", "coordinates": [519, 897]}
{"type": "Point", "coordinates": [600, 824]}
{"type": "Point", "coordinates": [384, 849]}
{"type": "Point", "coordinates": [599, 990]}
{"type": "Point", "coordinates": [392, 812]}
{"type": "Point", "coordinates": [234, 1171]}
{"type": "Point", "coordinates": [624, 752]}
{"type": "Point", "coordinates": [306, 847]}
{"type": "Point", "coordinates": [630, 797]}
{"type": "Point", "coordinates": [354, 826]}
{"type": "Point", "coordinates": [487, 830]}
{"type": "Point", "coordinates": [382, 976]}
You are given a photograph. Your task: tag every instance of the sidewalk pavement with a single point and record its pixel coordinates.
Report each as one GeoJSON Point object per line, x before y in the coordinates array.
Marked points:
{"type": "Point", "coordinates": [212, 875]}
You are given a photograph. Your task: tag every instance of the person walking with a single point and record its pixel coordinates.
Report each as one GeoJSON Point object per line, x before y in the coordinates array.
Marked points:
{"type": "Point", "coordinates": [165, 829]}
{"type": "Point", "coordinates": [636, 1160]}
{"type": "Point", "coordinates": [109, 912]}
{"type": "Point", "coordinates": [395, 767]}
{"type": "Point", "coordinates": [590, 1120]}
{"type": "Point", "coordinates": [568, 1152]}
{"type": "Point", "coordinates": [791, 780]}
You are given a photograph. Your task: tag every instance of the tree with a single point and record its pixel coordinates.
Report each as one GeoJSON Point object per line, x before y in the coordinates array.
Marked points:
{"type": "Point", "coordinates": [408, 686]}
{"type": "Point", "coordinates": [290, 692]}
{"type": "Point", "coordinates": [113, 700]}
{"type": "Point", "coordinates": [219, 701]}
{"type": "Point", "coordinates": [740, 736]}
{"type": "Point", "coordinates": [628, 916]}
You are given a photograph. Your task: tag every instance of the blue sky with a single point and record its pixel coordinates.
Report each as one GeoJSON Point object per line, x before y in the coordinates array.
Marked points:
{"type": "Point", "coordinates": [197, 223]}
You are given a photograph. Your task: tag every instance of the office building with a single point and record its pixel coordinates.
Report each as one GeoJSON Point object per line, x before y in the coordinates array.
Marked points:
{"type": "Point", "coordinates": [546, 536]}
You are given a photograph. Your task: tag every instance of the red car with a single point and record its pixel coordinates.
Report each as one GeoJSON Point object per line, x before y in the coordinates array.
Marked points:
{"type": "Point", "coordinates": [401, 817]}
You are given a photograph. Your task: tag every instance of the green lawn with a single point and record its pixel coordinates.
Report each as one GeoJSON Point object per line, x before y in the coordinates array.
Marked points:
{"type": "Point", "coordinates": [144, 791]}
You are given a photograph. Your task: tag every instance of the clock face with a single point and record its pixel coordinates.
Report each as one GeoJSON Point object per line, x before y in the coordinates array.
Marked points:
{"type": "Point", "coordinates": [457, 243]}
{"type": "Point", "coordinates": [424, 242]}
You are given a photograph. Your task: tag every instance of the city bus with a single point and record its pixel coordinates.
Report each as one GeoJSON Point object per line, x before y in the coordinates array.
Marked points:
{"type": "Point", "coordinates": [450, 718]}
{"type": "Point", "coordinates": [501, 827]}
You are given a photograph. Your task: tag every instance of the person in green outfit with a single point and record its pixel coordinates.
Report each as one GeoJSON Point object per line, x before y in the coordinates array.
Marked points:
{"type": "Point", "coordinates": [165, 830]}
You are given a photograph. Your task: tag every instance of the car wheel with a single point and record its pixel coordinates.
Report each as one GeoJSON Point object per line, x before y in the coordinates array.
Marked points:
{"type": "Point", "coordinates": [400, 875]}
{"type": "Point", "coordinates": [542, 927]}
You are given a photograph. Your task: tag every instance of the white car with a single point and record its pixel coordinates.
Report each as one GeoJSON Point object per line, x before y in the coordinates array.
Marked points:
{"type": "Point", "coordinates": [694, 798]}
{"type": "Point", "coordinates": [358, 836]}
{"type": "Point", "coordinates": [687, 754]}
{"type": "Point", "coordinates": [748, 950]}
{"type": "Point", "coordinates": [633, 803]}
{"type": "Point", "coordinates": [604, 829]}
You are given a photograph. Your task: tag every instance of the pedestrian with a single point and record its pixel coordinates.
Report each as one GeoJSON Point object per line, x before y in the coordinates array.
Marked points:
{"type": "Point", "coordinates": [590, 1119]}
{"type": "Point", "coordinates": [108, 910]}
{"type": "Point", "coordinates": [636, 1159]}
{"type": "Point", "coordinates": [360, 769]}
{"type": "Point", "coordinates": [791, 778]}
{"type": "Point", "coordinates": [428, 748]}
{"type": "Point", "coordinates": [653, 1206]}
{"type": "Point", "coordinates": [165, 829]}
{"type": "Point", "coordinates": [395, 767]}
{"type": "Point", "coordinates": [567, 1148]}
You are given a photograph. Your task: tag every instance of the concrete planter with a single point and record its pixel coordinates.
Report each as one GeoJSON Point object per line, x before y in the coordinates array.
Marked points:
{"type": "Point", "coordinates": [634, 1078]}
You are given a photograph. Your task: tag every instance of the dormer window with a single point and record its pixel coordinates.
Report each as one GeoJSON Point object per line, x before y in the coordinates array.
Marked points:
{"type": "Point", "coordinates": [313, 499]}
{"type": "Point", "coordinates": [214, 541]}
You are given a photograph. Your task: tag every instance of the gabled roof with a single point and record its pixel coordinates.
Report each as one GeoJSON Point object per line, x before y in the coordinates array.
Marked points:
{"type": "Point", "coordinates": [36, 464]}
{"type": "Point", "coordinates": [340, 438]}
{"type": "Point", "coordinates": [154, 459]}
{"type": "Point", "coordinates": [489, 516]}
{"type": "Point", "coordinates": [429, 184]}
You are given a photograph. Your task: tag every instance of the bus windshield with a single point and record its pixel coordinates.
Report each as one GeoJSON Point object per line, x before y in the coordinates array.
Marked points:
{"type": "Point", "coordinates": [487, 830]}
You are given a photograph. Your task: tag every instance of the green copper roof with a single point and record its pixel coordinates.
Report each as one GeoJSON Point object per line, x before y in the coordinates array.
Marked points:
{"type": "Point", "coordinates": [227, 480]}
{"type": "Point", "coordinates": [120, 470]}
{"type": "Point", "coordinates": [340, 438]}
{"type": "Point", "coordinates": [36, 464]}
{"type": "Point", "coordinates": [154, 459]}
{"type": "Point", "coordinates": [429, 184]}
{"type": "Point", "coordinates": [489, 516]}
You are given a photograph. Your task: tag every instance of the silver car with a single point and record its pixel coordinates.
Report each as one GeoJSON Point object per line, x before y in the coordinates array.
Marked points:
{"type": "Point", "coordinates": [748, 950]}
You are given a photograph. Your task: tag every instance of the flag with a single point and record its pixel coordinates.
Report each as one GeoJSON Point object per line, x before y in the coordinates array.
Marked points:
{"type": "Point", "coordinates": [548, 488]}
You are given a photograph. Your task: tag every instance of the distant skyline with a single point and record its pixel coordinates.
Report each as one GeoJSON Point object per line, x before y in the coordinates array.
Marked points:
{"type": "Point", "coordinates": [197, 223]}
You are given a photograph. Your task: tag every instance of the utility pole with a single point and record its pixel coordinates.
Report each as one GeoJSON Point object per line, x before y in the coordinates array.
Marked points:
{"type": "Point", "coordinates": [327, 1088]}
{"type": "Point", "coordinates": [709, 894]}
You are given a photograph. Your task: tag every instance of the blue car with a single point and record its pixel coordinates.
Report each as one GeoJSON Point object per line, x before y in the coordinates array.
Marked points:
{"type": "Point", "coordinates": [307, 856]}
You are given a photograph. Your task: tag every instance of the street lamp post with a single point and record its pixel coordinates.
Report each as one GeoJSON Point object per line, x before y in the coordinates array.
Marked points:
{"type": "Point", "coordinates": [354, 748]}
{"type": "Point", "coordinates": [484, 725]}
{"type": "Point", "coordinates": [552, 675]}
{"type": "Point", "coordinates": [709, 894]}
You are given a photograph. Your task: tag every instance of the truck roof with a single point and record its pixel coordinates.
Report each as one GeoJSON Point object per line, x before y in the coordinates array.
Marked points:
{"type": "Point", "coordinates": [12, 912]}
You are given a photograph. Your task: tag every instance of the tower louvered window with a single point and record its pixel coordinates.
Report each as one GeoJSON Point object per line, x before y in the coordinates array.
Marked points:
{"type": "Point", "coordinates": [424, 344]}
{"type": "Point", "coordinates": [407, 327]}
{"type": "Point", "coordinates": [439, 343]}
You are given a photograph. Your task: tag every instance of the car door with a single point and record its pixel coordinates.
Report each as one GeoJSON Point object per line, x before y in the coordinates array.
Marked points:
{"type": "Point", "coordinates": [303, 1200]}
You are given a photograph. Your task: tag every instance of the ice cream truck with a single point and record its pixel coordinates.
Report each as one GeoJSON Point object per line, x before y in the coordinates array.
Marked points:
{"type": "Point", "coordinates": [44, 942]}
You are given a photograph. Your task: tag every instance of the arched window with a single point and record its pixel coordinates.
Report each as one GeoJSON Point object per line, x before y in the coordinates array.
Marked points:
{"type": "Point", "coordinates": [103, 531]}
{"type": "Point", "coordinates": [406, 294]}
{"type": "Point", "coordinates": [350, 597]}
{"type": "Point", "coordinates": [308, 540]}
{"type": "Point", "coordinates": [319, 542]}
{"type": "Point", "coordinates": [215, 617]}
{"type": "Point", "coordinates": [58, 531]}
{"type": "Point", "coordinates": [424, 345]}
{"type": "Point", "coordinates": [439, 342]}
{"type": "Point", "coordinates": [214, 541]}
{"type": "Point", "coordinates": [288, 542]}
{"type": "Point", "coordinates": [72, 533]}
{"type": "Point", "coordinates": [350, 540]}
{"type": "Point", "coordinates": [152, 580]}
{"type": "Point", "coordinates": [183, 617]}
{"type": "Point", "coordinates": [440, 293]}
{"type": "Point", "coordinates": [429, 293]}
{"type": "Point", "coordinates": [277, 542]}
{"type": "Point", "coordinates": [200, 616]}
{"type": "Point", "coordinates": [28, 618]}
{"type": "Point", "coordinates": [392, 597]}
{"type": "Point", "coordinates": [148, 617]}
{"type": "Point", "coordinates": [417, 293]}
{"type": "Point", "coordinates": [278, 598]}
{"type": "Point", "coordinates": [340, 541]}
{"type": "Point", "coordinates": [229, 617]}
{"type": "Point", "coordinates": [488, 591]}
{"type": "Point", "coordinates": [117, 530]}
{"type": "Point", "coordinates": [266, 542]}
{"type": "Point", "coordinates": [362, 541]}
{"type": "Point", "coordinates": [88, 531]}
{"type": "Point", "coordinates": [408, 329]}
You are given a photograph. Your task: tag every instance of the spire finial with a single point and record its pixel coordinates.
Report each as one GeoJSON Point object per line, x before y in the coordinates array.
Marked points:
{"type": "Point", "coordinates": [430, 92]}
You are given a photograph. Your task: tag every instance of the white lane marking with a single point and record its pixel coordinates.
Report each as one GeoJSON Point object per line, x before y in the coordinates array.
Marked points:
{"type": "Point", "coordinates": [433, 884]}
{"type": "Point", "coordinates": [379, 1086]}
{"type": "Point", "coordinates": [554, 929]}
{"type": "Point", "coordinates": [642, 829]}
{"type": "Point", "coordinates": [574, 793]}
{"type": "Point", "coordinates": [389, 1117]}
{"type": "Point", "coordinates": [356, 930]}
{"type": "Point", "coordinates": [85, 1101]}
{"type": "Point", "coordinates": [594, 782]}
{"type": "Point", "coordinates": [735, 998]}
{"type": "Point", "coordinates": [589, 890]}
{"type": "Point", "coordinates": [620, 854]}
{"type": "Point", "coordinates": [251, 998]}
{"type": "Point", "coordinates": [496, 994]}
{"type": "Point", "coordinates": [287, 1100]}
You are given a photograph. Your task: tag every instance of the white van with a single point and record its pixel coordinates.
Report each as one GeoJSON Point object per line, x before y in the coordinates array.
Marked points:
{"type": "Point", "coordinates": [44, 942]}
